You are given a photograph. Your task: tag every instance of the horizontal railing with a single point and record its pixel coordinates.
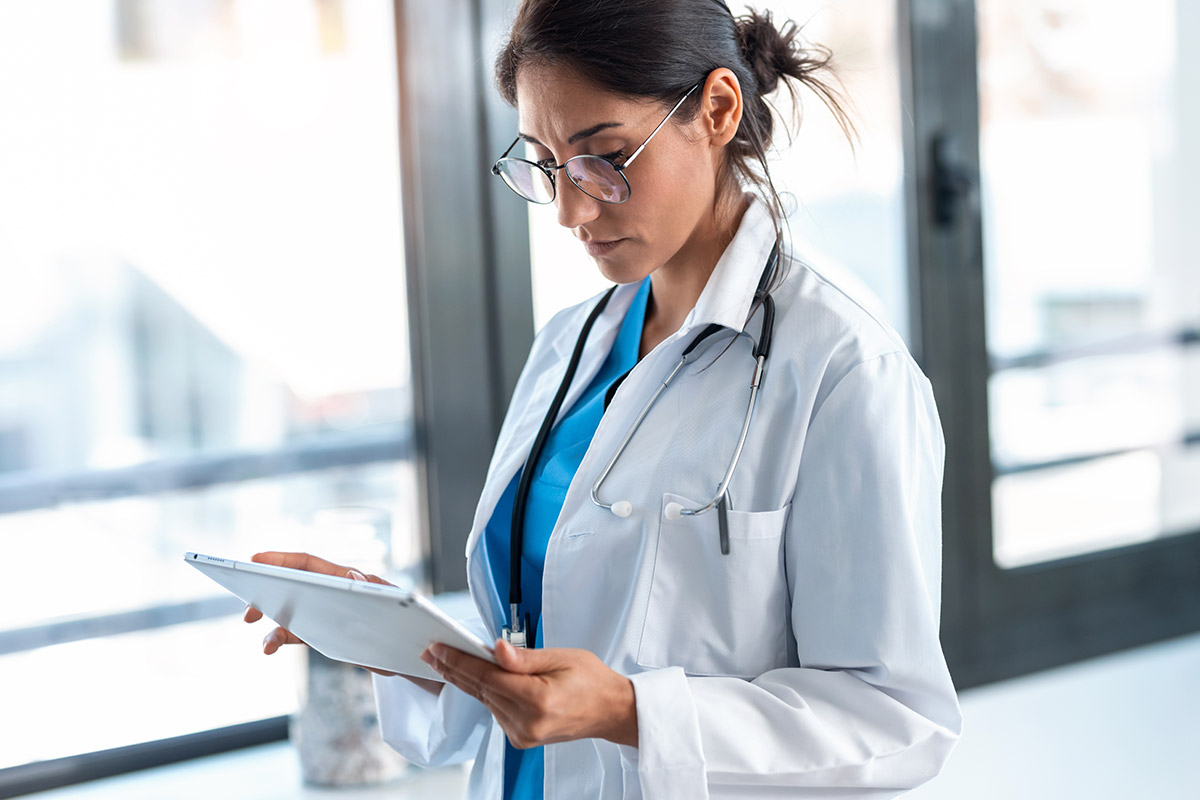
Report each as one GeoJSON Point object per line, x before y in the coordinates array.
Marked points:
{"type": "Point", "coordinates": [76, 629]}
{"type": "Point", "coordinates": [25, 491]}
{"type": "Point", "coordinates": [1191, 439]}
{"type": "Point", "coordinates": [1135, 343]}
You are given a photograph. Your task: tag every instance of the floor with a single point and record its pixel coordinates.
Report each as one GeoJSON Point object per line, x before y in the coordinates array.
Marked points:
{"type": "Point", "coordinates": [1116, 727]}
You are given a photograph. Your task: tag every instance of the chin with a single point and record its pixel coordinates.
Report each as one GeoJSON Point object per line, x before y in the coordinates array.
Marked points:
{"type": "Point", "coordinates": [620, 274]}
{"type": "Point", "coordinates": [621, 269]}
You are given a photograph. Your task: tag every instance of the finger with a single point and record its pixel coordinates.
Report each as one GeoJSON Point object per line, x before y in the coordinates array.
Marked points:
{"type": "Point", "coordinates": [473, 674]}
{"type": "Point", "coordinates": [304, 561]}
{"type": "Point", "coordinates": [468, 682]}
{"type": "Point", "coordinates": [513, 717]}
{"type": "Point", "coordinates": [526, 661]}
{"type": "Point", "coordinates": [433, 687]}
{"type": "Point", "coordinates": [384, 672]}
{"type": "Point", "coordinates": [506, 709]}
{"type": "Point", "coordinates": [279, 637]}
{"type": "Point", "coordinates": [252, 614]}
{"type": "Point", "coordinates": [445, 657]}
{"type": "Point", "coordinates": [355, 575]}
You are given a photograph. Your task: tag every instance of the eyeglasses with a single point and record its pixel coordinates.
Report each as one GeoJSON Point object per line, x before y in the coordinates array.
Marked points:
{"type": "Point", "coordinates": [596, 176]}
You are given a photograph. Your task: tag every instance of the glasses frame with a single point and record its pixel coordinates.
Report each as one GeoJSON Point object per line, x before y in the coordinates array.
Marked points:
{"type": "Point", "coordinates": [549, 170]}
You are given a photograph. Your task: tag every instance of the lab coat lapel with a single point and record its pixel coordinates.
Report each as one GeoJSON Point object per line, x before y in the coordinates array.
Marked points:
{"type": "Point", "coordinates": [599, 344]}
{"type": "Point", "coordinates": [513, 447]}
{"type": "Point", "coordinates": [729, 292]}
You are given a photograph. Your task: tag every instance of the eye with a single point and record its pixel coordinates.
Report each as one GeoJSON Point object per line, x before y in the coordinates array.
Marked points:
{"type": "Point", "coordinates": [546, 162]}
{"type": "Point", "coordinates": [613, 156]}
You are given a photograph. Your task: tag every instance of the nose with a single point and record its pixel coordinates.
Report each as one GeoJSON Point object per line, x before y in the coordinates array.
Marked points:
{"type": "Point", "coordinates": [575, 207]}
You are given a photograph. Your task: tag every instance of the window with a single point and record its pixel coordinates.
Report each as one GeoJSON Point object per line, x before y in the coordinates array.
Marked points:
{"type": "Point", "coordinates": [203, 346]}
{"type": "Point", "coordinates": [847, 202]}
{"type": "Point", "coordinates": [1050, 186]}
{"type": "Point", "coordinates": [1092, 305]}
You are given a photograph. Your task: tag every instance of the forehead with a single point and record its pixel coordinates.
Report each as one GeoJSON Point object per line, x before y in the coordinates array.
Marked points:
{"type": "Point", "coordinates": [555, 102]}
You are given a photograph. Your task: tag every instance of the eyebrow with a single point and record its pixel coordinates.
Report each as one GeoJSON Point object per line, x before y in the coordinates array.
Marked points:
{"type": "Point", "coordinates": [577, 137]}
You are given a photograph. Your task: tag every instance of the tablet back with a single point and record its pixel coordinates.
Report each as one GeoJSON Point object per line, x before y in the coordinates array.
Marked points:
{"type": "Point", "coordinates": [347, 620]}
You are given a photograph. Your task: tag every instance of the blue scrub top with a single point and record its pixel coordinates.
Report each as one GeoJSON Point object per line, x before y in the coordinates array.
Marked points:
{"type": "Point", "coordinates": [566, 445]}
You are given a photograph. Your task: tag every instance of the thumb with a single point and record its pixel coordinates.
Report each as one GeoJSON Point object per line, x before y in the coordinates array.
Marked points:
{"type": "Point", "coordinates": [523, 660]}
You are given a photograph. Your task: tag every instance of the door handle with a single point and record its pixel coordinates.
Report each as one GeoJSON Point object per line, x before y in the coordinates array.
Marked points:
{"type": "Point", "coordinates": [951, 183]}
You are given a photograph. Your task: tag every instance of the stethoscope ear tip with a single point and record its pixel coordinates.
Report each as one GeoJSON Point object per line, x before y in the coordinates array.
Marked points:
{"type": "Point", "coordinates": [673, 511]}
{"type": "Point", "coordinates": [622, 508]}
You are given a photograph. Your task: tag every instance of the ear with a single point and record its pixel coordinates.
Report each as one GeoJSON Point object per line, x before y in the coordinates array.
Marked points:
{"type": "Point", "coordinates": [720, 106]}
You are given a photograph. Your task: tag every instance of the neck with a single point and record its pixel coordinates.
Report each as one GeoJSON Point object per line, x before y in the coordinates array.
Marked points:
{"type": "Point", "coordinates": [677, 284]}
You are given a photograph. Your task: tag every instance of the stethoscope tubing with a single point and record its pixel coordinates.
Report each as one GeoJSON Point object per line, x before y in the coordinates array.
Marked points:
{"type": "Point", "coordinates": [637, 423]}
{"type": "Point", "coordinates": [516, 534]}
{"type": "Point", "coordinates": [761, 351]}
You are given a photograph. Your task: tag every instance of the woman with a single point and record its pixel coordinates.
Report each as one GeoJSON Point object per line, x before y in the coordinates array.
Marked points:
{"type": "Point", "coordinates": [780, 640]}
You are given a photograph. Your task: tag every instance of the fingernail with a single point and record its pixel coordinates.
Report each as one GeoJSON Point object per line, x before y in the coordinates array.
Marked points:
{"type": "Point", "coordinates": [438, 652]}
{"type": "Point", "coordinates": [426, 657]}
{"type": "Point", "coordinates": [355, 575]}
{"type": "Point", "coordinates": [268, 639]}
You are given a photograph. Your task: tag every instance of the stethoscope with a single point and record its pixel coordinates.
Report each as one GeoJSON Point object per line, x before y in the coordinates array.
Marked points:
{"type": "Point", "coordinates": [515, 632]}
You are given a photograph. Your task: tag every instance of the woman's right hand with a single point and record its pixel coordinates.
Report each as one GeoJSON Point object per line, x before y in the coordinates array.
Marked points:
{"type": "Point", "coordinates": [310, 563]}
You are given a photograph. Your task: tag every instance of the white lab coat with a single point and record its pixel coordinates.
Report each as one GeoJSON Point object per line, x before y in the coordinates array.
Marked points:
{"type": "Point", "coordinates": [806, 662]}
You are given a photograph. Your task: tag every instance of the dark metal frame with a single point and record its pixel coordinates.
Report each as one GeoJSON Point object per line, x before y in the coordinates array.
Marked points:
{"type": "Point", "coordinates": [467, 259]}
{"type": "Point", "coordinates": [1000, 623]}
{"type": "Point", "coordinates": [42, 775]}
{"type": "Point", "coordinates": [26, 491]}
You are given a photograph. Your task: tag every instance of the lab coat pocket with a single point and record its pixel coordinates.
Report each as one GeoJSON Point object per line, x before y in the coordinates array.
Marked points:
{"type": "Point", "coordinates": [715, 614]}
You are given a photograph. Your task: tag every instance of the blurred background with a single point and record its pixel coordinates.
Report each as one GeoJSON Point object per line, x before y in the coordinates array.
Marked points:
{"type": "Point", "coordinates": [258, 291]}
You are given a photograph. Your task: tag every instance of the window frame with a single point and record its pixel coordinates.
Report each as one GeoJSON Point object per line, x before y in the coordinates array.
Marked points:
{"type": "Point", "coordinates": [1001, 623]}
{"type": "Point", "coordinates": [467, 255]}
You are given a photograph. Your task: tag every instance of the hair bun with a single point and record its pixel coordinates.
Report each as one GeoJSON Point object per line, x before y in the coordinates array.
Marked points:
{"type": "Point", "coordinates": [766, 50]}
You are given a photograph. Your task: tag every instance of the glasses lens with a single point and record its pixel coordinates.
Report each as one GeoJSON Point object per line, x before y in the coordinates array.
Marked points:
{"type": "Point", "coordinates": [599, 178]}
{"type": "Point", "coordinates": [526, 179]}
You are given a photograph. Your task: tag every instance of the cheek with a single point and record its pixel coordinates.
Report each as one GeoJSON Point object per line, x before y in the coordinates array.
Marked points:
{"type": "Point", "coordinates": [670, 197]}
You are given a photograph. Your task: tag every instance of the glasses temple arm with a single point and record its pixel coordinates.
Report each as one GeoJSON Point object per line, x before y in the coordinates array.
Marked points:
{"type": "Point", "coordinates": [637, 152]}
{"type": "Point", "coordinates": [508, 149]}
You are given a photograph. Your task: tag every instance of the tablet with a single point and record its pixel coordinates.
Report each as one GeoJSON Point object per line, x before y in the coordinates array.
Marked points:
{"type": "Point", "coordinates": [347, 620]}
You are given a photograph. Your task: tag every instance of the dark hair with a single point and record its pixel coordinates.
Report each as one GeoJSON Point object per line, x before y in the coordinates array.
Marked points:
{"type": "Point", "coordinates": [661, 48]}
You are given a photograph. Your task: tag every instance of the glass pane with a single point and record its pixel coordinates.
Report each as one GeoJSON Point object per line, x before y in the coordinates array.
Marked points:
{"type": "Point", "coordinates": [127, 556]}
{"type": "Point", "coordinates": [848, 203]}
{"type": "Point", "coordinates": [202, 264]}
{"type": "Point", "coordinates": [845, 206]}
{"type": "Point", "coordinates": [208, 205]}
{"type": "Point", "coordinates": [1091, 303]}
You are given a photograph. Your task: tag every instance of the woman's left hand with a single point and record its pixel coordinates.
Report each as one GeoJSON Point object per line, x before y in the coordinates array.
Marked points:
{"type": "Point", "coordinates": [544, 695]}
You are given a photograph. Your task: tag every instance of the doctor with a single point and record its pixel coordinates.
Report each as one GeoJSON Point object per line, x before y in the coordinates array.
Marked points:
{"type": "Point", "coordinates": [728, 586]}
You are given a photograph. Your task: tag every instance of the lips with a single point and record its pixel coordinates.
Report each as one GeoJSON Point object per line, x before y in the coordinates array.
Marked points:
{"type": "Point", "coordinates": [602, 248]}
